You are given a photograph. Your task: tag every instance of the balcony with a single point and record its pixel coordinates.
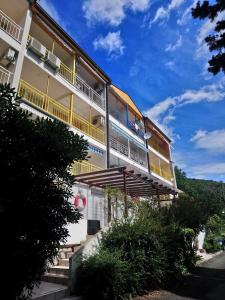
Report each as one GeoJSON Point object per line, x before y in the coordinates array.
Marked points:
{"type": "Point", "coordinates": [160, 147]}
{"type": "Point", "coordinates": [159, 171]}
{"type": "Point", "coordinates": [137, 157]}
{"type": "Point", "coordinates": [83, 167]}
{"type": "Point", "coordinates": [5, 76]}
{"type": "Point", "coordinates": [10, 27]}
{"type": "Point", "coordinates": [160, 166]}
{"type": "Point", "coordinates": [119, 147]}
{"type": "Point", "coordinates": [83, 87]}
{"type": "Point", "coordinates": [70, 76]}
{"type": "Point", "coordinates": [42, 101]}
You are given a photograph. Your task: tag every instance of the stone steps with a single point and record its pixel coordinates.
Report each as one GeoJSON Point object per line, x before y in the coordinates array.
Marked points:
{"type": "Point", "coordinates": [59, 270]}
{"type": "Point", "coordinates": [56, 278]}
{"type": "Point", "coordinates": [63, 262]}
{"type": "Point", "coordinates": [50, 291]}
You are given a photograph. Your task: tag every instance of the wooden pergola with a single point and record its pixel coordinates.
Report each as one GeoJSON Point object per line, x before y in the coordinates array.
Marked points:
{"type": "Point", "coordinates": [130, 183]}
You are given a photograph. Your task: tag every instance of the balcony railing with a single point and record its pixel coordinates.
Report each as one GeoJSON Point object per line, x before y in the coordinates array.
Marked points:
{"type": "Point", "coordinates": [82, 86]}
{"type": "Point", "coordinates": [66, 72]}
{"type": "Point", "coordinates": [134, 155]}
{"type": "Point", "coordinates": [83, 167]}
{"type": "Point", "coordinates": [61, 112]}
{"type": "Point", "coordinates": [5, 76]}
{"type": "Point", "coordinates": [159, 171]}
{"type": "Point", "coordinates": [116, 145]}
{"type": "Point", "coordinates": [9, 26]}
{"type": "Point", "coordinates": [153, 143]}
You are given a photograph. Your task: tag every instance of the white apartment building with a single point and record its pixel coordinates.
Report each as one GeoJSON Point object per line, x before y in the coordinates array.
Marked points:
{"type": "Point", "coordinates": [55, 78]}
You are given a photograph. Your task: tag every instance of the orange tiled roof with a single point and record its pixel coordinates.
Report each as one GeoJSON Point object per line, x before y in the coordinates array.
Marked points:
{"type": "Point", "coordinates": [128, 100]}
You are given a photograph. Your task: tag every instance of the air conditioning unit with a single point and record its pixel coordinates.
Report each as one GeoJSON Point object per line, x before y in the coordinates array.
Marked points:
{"type": "Point", "coordinates": [8, 58]}
{"type": "Point", "coordinates": [36, 47]}
{"type": "Point", "coordinates": [98, 121]}
{"type": "Point", "coordinates": [53, 61]}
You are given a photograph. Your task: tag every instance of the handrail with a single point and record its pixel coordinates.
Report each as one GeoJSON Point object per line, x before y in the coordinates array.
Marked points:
{"type": "Point", "coordinates": [80, 84]}
{"type": "Point", "coordinates": [116, 145]}
{"type": "Point", "coordinates": [58, 110]}
{"type": "Point", "coordinates": [153, 143]}
{"type": "Point", "coordinates": [85, 88]}
{"type": "Point", "coordinates": [83, 167]}
{"type": "Point", "coordinates": [161, 172]}
{"type": "Point", "coordinates": [10, 26]}
{"type": "Point", "coordinates": [134, 155]}
{"type": "Point", "coordinates": [66, 72]}
{"type": "Point", "coordinates": [5, 75]}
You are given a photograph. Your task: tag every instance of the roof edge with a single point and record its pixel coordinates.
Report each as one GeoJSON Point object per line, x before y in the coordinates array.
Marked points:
{"type": "Point", "coordinates": [35, 7]}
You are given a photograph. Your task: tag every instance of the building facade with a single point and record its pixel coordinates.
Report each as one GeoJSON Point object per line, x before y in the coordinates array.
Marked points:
{"type": "Point", "coordinates": [56, 79]}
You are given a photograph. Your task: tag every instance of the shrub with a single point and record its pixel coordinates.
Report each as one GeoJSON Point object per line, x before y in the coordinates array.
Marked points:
{"type": "Point", "coordinates": [141, 246]}
{"type": "Point", "coordinates": [104, 276]}
{"type": "Point", "coordinates": [149, 251]}
{"type": "Point", "coordinates": [35, 159]}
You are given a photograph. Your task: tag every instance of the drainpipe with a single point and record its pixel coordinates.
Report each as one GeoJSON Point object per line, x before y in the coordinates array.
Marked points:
{"type": "Point", "coordinates": [146, 144]}
{"type": "Point", "coordinates": [107, 126]}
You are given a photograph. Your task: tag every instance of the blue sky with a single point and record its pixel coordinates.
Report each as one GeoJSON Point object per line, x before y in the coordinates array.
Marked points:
{"type": "Point", "coordinates": [154, 50]}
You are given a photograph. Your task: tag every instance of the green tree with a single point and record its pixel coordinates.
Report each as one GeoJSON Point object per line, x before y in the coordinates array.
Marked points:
{"type": "Point", "coordinates": [216, 41]}
{"type": "Point", "coordinates": [201, 199]}
{"type": "Point", "coordinates": [35, 161]}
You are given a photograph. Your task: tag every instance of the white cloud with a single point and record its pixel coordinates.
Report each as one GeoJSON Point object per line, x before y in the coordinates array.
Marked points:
{"type": "Point", "coordinates": [52, 11]}
{"type": "Point", "coordinates": [170, 65]}
{"type": "Point", "coordinates": [207, 169]}
{"type": "Point", "coordinates": [112, 43]}
{"type": "Point", "coordinates": [186, 14]}
{"type": "Point", "coordinates": [203, 32]}
{"type": "Point", "coordinates": [212, 141]}
{"type": "Point", "coordinates": [178, 44]}
{"type": "Point", "coordinates": [112, 11]}
{"type": "Point", "coordinates": [163, 112]}
{"type": "Point", "coordinates": [160, 108]}
{"type": "Point", "coordinates": [163, 13]}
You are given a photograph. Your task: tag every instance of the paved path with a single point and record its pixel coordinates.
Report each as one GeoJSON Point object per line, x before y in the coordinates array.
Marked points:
{"type": "Point", "coordinates": [206, 283]}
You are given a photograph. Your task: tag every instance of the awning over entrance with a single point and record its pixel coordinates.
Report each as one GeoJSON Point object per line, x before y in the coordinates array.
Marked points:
{"type": "Point", "coordinates": [129, 182]}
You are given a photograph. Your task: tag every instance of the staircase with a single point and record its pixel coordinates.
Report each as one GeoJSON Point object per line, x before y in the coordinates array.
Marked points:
{"type": "Point", "coordinates": [60, 272]}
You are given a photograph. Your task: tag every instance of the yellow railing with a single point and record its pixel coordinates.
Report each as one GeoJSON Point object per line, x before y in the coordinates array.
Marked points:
{"type": "Point", "coordinates": [66, 72]}
{"type": "Point", "coordinates": [161, 172]}
{"type": "Point", "coordinates": [61, 112]}
{"type": "Point", "coordinates": [153, 143]}
{"type": "Point", "coordinates": [83, 167]}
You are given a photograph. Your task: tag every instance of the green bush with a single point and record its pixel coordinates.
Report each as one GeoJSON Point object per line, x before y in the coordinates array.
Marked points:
{"type": "Point", "coordinates": [215, 230]}
{"type": "Point", "coordinates": [104, 276]}
{"type": "Point", "coordinates": [137, 255]}
{"type": "Point", "coordinates": [140, 244]}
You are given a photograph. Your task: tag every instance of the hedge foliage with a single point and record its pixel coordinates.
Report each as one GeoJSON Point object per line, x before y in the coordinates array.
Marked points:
{"type": "Point", "coordinates": [137, 255]}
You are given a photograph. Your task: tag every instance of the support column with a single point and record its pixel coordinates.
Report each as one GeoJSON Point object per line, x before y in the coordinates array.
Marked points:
{"type": "Point", "coordinates": [172, 168]}
{"type": "Point", "coordinates": [107, 127]}
{"type": "Point", "coordinates": [109, 208]}
{"type": "Point", "coordinates": [53, 46]}
{"type": "Point", "coordinates": [46, 92]}
{"type": "Point", "coordinates": [20, 58]}
{"type": "Point", "coordinates": [74, 70]}
{"type": "Point", "coordinates": [71, 108]}
{"type": "Point", "coordinates": [125, 194]}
